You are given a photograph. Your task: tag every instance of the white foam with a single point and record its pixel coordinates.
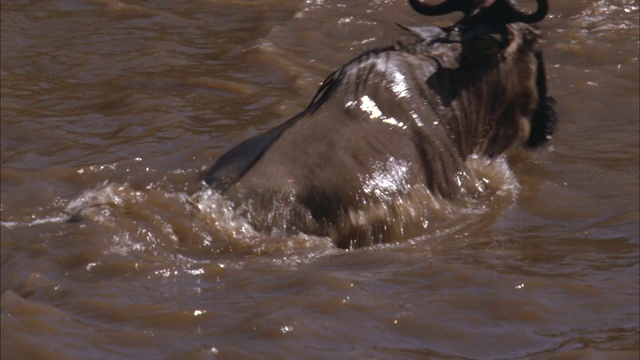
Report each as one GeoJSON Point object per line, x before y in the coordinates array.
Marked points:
{"type": "Point", "coordinates": [46, 220]}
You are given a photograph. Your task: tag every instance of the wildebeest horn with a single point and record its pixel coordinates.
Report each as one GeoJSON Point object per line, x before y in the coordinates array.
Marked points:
{"type": "Point", "coordinates": [447, 6]}
{"type": "Point", "coordinates": [503, 9]}
{"type": "Point", "coordinates": [534, 17]}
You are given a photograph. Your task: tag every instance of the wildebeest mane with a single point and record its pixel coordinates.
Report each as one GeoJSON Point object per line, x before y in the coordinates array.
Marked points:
{"type": "Point", "coordinates": [356, 68]}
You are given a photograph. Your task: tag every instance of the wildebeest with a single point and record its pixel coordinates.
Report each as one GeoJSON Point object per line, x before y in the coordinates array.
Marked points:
{"type": "Point", "coordinates": [394, 120]}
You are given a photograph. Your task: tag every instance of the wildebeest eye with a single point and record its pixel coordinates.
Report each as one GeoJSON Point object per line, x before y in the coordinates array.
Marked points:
{"type": "Point", "coordinates": [485, 45]}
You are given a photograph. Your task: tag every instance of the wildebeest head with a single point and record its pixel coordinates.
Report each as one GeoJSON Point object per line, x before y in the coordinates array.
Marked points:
{"type": "Point", "coordinates": [492, 40]}
{"type": "Point", "coordinates": [501, 10]}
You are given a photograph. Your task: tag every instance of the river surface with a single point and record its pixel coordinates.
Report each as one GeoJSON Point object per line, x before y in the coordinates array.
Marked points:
{"type": "Point", "coordinates": [113, 110]}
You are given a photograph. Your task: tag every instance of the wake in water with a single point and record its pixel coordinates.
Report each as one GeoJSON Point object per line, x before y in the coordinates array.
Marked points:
{"type": "Point", "coordinates": [386, 219]}
{"type": "Point", "coordinates": [206, 223]}
{"type": "Point", "coordinates": [392, 211]}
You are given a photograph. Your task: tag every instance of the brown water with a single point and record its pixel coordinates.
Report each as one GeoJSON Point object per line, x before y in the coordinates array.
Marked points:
{"type": "Point", "coordinates": [112, 111]}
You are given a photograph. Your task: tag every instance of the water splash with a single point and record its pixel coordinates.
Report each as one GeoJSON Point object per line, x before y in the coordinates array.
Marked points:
{"type": "Point", "coordinates": [95, 203]}
{"type": "Point", "coordinates": [220, 213]}
{"type": "Point", "coordinates": [161, 222]}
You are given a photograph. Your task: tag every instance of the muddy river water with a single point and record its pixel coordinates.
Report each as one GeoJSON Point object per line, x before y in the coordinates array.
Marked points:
{"type": "Point", "coordinates": [114, 109]}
